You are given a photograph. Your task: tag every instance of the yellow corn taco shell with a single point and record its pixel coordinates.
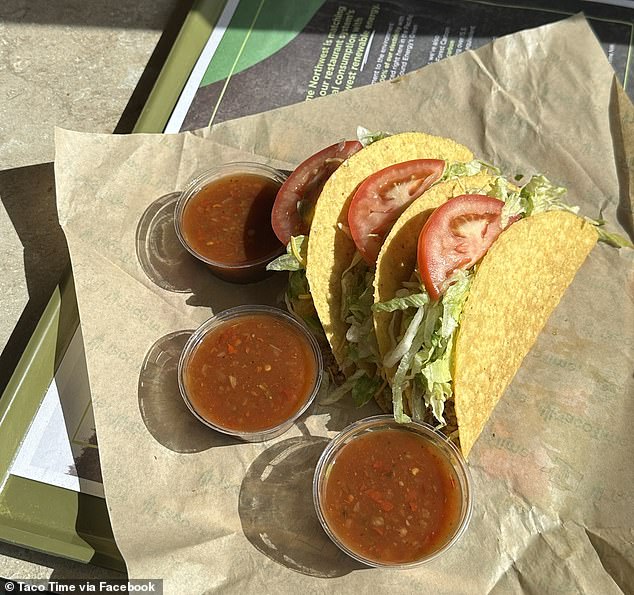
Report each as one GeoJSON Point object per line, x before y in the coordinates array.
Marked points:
{"type": "Point", "coordinates": [517, 286]}
{"type": "Point", "coordinates": [397, 260]}
{"type": "Point", "coordinates": [330, 248]}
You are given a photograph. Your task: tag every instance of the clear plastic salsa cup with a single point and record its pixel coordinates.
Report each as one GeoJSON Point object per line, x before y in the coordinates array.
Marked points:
{"type": "Point", "coordinates": [250, 372]}
{"type": "Point", "coordinates": [223, 218]}
{"type": "Point", "coordinates": [374, 492]}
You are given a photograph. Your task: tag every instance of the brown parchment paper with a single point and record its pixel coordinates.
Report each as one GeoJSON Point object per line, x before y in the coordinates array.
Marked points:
{"type": "Point", "coordinates": [553, 469]}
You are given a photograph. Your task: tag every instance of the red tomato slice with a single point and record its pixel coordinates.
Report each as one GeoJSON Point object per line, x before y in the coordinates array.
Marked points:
{"type": "Point", "coordinates": [294, 205]}
{"type": "Point", "coordinates": [456, 236]}
{"type": "Point", "coordinates": [382, 197]}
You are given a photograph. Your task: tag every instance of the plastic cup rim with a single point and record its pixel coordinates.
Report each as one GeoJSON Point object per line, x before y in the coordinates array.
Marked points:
{"type": "Point", "coordinates": [457, 461]}
{"type": "Point", "coordinates": [234, 312]}
{"type": "Point", "coordinates": [200, 181]}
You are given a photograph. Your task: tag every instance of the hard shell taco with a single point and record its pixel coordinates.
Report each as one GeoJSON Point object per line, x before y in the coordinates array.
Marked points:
{"type": "Point", "coordinates": [334, 213]}
{"type": "Point", "coordinates": [354, 213]}
{"type": "Point", "coordinates": [465, 281]}
{"type": "Point", "coordinates": [375, 203]}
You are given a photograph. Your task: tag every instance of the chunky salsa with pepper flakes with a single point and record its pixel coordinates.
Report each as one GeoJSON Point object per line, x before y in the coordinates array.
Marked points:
{"type": "Point", "coordinates": [391, 497]}
{"type": "Point", "coordinates": [251, 373]}
{"type": "Point", "coordinates": [229, 220]}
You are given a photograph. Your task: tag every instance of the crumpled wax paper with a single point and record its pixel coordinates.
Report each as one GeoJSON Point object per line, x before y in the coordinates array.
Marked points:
{"type": "Point", "coordinates": [553, 469]}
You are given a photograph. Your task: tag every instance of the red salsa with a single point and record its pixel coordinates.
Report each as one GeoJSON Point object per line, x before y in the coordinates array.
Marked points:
{"type": "Point", "coordinates": [228, 221]}
{"type": "Point", "coordinates": [251, 373]}
{"type": "Point", "coordinates": [392, 497]}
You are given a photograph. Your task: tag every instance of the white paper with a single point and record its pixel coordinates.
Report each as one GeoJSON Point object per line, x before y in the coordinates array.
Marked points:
{"type": "Point", "coordinates": [60, 446]}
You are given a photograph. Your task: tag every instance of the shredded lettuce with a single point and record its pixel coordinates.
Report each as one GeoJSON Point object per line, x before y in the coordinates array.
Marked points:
{"type": "Point", "coordinates": [540, 195]}
{"type": "Point", "coordinates": [611, 239]}
{"type": "Point", "coordinates": [298, 246]}
{"type": "Point", "coordinates": [437, 372]}
{"type": "Point", "coordinates": [297, 297]}
{"type": "Point", "coordinates": [362, 354]}
{"type": "Point", "coordinates": [367, 137]}
{"type": "Point", "coordinates": [513, 204]}
{"type": "Point", "coordinates": [359, 385]}
{"type": "Point", "coordinates": [453, 301]}
{"type": "Point", "coordinates": [425, 353]}
{"type": "Point", "coordinates": [404, 353]}
{"type": "Point", "coordinates": [365, 388]}
{"type": "Point", "coordinates": [295, 257]}
{"type": "Point", "coordinates": [417, 400]}
{"type": "Point", "coordinates": [299, 301]}
{"type": "Point", "coordinates": [286, 262]}
{"type": "Point", "coordinates": [403, 346]}
{"type": "Point", "coordinates": [537, 196]}
{"type": "Point", "coordinates": [343, 389]}
{"type": "Point", "coordinates": [414, 300]}
{"type": "Point", "coordinates": [356, 311]}
{"type": "Point", "coordinates": [352, 284]}
{"type": "Point", "coordinates": [458, 169]}
{"type": "Point", "coordinates": [298, 286]}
